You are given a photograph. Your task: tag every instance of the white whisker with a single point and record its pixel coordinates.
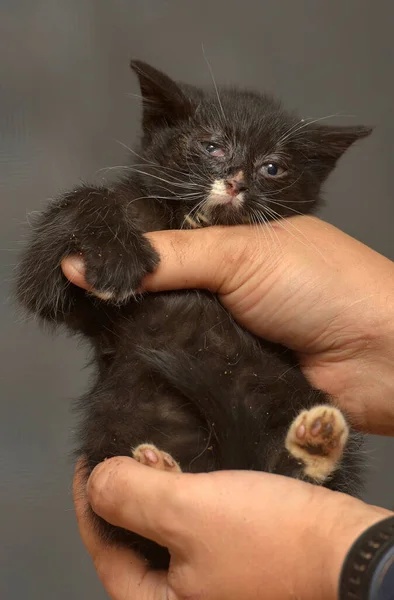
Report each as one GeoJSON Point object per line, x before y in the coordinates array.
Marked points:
{"type": "Point", "coordinates": [213, 81]}
{"type": "Point", "coordinates": [305, 123]}
{"type": "Point", "coordinates": [284, 222]}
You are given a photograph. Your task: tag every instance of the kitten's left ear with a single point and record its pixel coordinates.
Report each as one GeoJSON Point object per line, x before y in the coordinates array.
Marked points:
{"type": "Point", "coordinates": [164, 102]}
{"type": "Point", "coordinates": [328, 143]}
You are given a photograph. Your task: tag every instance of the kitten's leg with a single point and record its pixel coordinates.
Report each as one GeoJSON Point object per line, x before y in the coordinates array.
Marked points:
{"type": "Point", "coordinates": [317, 437]}
{"type": "Point", "coordinates": [149, 455]}
{"type": "Point", "coordinates": [97, 224]}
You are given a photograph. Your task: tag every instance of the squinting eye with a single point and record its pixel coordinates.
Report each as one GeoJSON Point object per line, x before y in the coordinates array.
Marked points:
{"type": "Point", "coordinates": [272, 170]}
{"type": "Point", "coordinates": [213, 149]}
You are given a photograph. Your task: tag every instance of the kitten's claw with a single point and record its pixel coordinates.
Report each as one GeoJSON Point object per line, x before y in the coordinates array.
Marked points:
{"type": "Point", "coordinates": [108, 296]}
{"type": "Point", "coordinates": [148, 454]}
{"type": "Point", "coordinates": [317, 437]}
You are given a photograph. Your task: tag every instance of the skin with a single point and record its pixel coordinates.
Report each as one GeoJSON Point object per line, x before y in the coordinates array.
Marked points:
{"type": "Point", "coordinates": [331, 299]}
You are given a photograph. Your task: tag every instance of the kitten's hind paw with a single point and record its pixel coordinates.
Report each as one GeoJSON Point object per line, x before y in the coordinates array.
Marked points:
{"type": "Point", "coordinates": [148, 454]}
{"type": "Point", "coordinates": [317, 437]}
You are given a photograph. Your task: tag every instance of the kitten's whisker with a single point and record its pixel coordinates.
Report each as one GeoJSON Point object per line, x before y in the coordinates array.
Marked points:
{"type": "Point", "coordinates": [278, 192]}
{"type": "Point", "coordinates": [213, 81]}
{"type": "Point", "coordinates": [284, 222]}
{"type": "Point", "coordinates": [175, 183]}
{"type": "Point", "coordinates": [132, 168]}
{"type": "Point", "coordinates": [269, 224]}
{"type": "Point", "coordinates": [265, 224]}
{"type": "Point", "coordinates": [147, 162]}
{"type": "Point", "coordinates": [275, 203]}
{"type": "Point", "coordinates": [200, 174]}
{"type": "Point", "coordinates": [153, 164]}
{"type": "Point", "coordinates": [284, 205]}
{"type": "Point", "coordinates": [274, 216]}
{"type": "Point", "coordinates": [257, 223]}
{"type": "Point", "coordinates": [307, 123]}
{"type": "Point", "coordinates": [192, 195]}
{"type": "Point", "coordinates": [295, 201]}
{"type": "Point", "coordinates": [286, 135]}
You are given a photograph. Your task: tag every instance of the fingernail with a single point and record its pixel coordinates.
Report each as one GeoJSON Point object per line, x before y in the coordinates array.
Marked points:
{"type": "Point", "coordinates": [77, 263]}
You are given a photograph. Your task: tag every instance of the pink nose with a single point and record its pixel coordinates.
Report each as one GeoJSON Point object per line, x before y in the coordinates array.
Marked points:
{"type": "Point", "coordinates": [235, 185]}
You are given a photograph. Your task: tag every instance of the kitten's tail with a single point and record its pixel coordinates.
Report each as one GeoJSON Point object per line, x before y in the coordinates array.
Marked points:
{"type": "Point", "coordinates": [227, 418]}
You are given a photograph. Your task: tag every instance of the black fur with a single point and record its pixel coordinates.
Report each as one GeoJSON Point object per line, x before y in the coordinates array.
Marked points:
{"type": "Point", "coordinates": [173, 369]}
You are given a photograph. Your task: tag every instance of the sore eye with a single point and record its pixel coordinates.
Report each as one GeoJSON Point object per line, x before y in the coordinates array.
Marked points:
{"type": "Point", "coordinates": [272, 170]}
{"type": "Point", "coordinates": [213, 149]}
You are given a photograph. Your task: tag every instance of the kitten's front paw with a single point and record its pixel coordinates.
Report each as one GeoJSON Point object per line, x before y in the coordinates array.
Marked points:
{"type": "Point", "coordinates": [149, 455]}
{"type": "Point", "coordinates": [115, 273]}
{"type": "Point", "coordinates": [317, 437]}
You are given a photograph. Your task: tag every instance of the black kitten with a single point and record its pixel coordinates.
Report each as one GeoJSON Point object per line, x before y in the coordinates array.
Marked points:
{"type": "Point", "coordinates": [178, 384]}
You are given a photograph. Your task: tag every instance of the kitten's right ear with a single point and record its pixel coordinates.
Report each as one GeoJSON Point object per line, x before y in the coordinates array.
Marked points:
{"type": "Point", "coordinates": [163, 100]}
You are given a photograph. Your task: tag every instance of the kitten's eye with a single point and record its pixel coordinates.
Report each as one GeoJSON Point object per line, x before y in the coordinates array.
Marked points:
{"type": "Point", "coordinates": [272, 170]}
{"type": "Point", "coordinates": [213, 149]}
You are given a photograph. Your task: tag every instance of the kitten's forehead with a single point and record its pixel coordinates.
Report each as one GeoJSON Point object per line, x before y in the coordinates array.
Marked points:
{"type": "Point", "coordinates": [246, 116]}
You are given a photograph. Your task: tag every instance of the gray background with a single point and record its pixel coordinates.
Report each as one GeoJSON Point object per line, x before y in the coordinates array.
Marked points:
{"type": "Point", "coordinates": [66, 103]}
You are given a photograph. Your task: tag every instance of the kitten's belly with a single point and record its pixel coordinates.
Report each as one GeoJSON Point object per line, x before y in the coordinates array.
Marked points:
{"type": "Point", "coordinates": [134, 403]}
{"type": "Point", "coordinates": [183, 375]}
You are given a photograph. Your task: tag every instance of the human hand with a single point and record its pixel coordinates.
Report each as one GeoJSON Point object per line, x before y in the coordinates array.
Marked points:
{"type": "Point", "coordinates": [231, 535]}
{"type": "Point", "coordinates": [303, 284]}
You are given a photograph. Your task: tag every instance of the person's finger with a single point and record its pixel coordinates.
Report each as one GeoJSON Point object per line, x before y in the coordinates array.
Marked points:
{"type": "Point", "coordinates": [74, 269]}
{"type": "Point", "coordinates": [124, 575]}
{"type": "Point", "coordinates": [190, 259]}
{"type": "Point", "coordinates": [138, 498]}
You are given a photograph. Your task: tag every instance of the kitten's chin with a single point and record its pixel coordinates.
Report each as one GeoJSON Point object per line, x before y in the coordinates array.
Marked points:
{"type": "Point", "coordinates": [226, 214]}
{"type": "Point", "coordinates": [226, 200]}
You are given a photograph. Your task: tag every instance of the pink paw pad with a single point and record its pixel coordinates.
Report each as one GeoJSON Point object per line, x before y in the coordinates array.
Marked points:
{"type": "Point", "coordinates": [148, 454]}
{"type": "Point", "coordinates": [317, 438]}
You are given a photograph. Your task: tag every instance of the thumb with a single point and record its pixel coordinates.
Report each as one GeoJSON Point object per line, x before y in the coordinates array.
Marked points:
{"type": "Point", "coordinates": [213, 258]}
{"type": "Point", "coordinates": [138, 498]}
{"type": "Point", "coordinates": [124, 574]}
{"type": "Point", "coordinates": [193, 258]}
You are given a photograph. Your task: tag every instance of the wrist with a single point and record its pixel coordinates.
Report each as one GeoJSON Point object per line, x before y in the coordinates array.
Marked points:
{"type": "Point", "coordinates": [368, 570]}
{"type": "Point", "coordinates": [338, 521]}
{"type": "Point", "coordinates": [350, 529]}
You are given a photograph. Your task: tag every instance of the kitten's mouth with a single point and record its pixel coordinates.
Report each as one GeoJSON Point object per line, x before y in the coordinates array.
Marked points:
{"type": "Point", "coordinates": [223, 205]}
{"type": "Point", "coordinates": [233, 201]}
{"type": "Point", "coordinates": [227, 193]}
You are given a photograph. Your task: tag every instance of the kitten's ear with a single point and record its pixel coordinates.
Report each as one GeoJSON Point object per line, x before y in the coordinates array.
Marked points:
{"type": "Point", "coordinates": [328, 143]}
{"type": "Point", "coordinates": [163, 100]}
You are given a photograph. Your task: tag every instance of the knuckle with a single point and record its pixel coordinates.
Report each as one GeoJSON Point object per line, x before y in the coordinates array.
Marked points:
{"type": "Point", "coordinates": [101, 483]}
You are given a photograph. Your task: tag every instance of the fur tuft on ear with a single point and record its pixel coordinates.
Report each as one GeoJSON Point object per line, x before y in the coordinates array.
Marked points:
{"type": "Point", "coordinates": [163, 99]}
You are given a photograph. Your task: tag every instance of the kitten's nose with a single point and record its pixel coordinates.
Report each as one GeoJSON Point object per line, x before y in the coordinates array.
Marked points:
{"type": "Point", "coordinates": [236, 184]}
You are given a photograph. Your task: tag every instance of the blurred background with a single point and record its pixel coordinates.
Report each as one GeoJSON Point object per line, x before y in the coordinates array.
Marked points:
{"type": "Point", "coordinates": [67, 109]}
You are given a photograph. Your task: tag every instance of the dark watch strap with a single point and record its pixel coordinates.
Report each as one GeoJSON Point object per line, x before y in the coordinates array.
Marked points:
{"type": "Point", "coordinates": [369, 561]}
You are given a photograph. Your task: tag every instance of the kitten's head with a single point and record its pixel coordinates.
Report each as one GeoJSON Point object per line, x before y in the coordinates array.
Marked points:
{"type": "Point", "coordinates": [228, 156]}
